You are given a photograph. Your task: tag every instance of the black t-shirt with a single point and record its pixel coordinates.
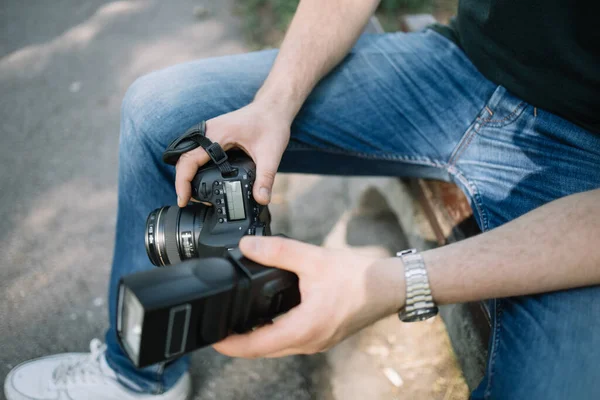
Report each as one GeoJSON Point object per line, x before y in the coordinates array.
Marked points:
{"type": "Point", "coordinates": [547, 52]}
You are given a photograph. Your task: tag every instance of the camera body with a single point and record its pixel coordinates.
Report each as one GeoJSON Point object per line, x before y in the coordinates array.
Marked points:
{"type": "Point", "coordinates": [176, 234]}
{"type": "Point", "coordinates": [234, 209]}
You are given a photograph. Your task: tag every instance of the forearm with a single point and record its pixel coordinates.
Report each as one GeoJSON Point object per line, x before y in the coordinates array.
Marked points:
{"type": "Point", "coordinates": [551, 248]}
{"type": "Point", "coordinates": [554, 247]}
{"type": "Point", "coordinates": [320, 35]}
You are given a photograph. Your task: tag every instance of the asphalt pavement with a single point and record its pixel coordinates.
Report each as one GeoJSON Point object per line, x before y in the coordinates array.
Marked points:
{"type": "Point", "coordinates": [64, 68]}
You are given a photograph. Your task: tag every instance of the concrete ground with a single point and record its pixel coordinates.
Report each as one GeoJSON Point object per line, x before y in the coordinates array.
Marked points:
{"type": "Point", "coordinates": [64, 68]}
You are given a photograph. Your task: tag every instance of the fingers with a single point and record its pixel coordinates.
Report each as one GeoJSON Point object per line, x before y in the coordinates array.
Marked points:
{"type": "Point", "coordinates": [265, 150]}
{"type": "Point", "coordinates": [188, 165]}
{"type": "Point", "coordinates": [287, 254]}
{"type": "Point", "coordinates": [266, 168]}
{"type": "Point", "coordinates": [186, 168]}
{"type": "Point", "coordinates": [287, 332]}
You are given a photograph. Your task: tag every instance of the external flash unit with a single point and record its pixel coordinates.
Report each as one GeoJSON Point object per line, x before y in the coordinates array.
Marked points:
{"type": "Point", "coordinates": [167, 312]}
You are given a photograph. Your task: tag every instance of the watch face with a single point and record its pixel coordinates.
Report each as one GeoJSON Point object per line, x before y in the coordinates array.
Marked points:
{"type": "Point", "coordinates": [419, 315]}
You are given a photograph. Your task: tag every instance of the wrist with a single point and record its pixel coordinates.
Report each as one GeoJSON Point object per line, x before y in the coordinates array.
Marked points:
{"type": "Point", "coordinates": [281, 100]}
{"type": "Point", "coordinates": [391, 284]}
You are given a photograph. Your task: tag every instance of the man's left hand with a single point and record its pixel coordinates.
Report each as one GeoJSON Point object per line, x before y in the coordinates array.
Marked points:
{"type": "Point", "coordinates": [341, 293]}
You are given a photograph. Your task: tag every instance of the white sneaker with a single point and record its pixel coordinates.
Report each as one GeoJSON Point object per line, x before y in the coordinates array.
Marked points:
{"type": "Point", "coordinates": [78, 376]}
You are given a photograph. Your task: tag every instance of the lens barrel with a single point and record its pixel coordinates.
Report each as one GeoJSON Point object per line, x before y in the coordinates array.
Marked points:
{"type": "Point", "coordinates": [172, 234]}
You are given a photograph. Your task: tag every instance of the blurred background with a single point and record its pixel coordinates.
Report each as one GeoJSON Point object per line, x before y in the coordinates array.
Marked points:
{"type": "Point", "coordinates": [64, 68]}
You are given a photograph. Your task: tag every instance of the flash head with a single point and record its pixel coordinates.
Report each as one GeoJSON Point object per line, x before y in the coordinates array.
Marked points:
{"type": "Point", "coordinates": [167, 312]}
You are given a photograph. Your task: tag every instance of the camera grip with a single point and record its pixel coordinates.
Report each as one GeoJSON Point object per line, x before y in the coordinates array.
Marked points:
{"type": "Point", "coordinates": [266, 293]}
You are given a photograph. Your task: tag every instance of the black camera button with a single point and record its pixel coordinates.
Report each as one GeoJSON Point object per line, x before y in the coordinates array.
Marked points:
{"type": "Point", "coordinates": [217, 191]}
{"type": "Point", "coordinates": [218, 201]}
{"type": "Point", "coordinates": [221, 220]}
{"type": "Point", "coordinates": [204, 191]}
{"type": "Point", "coordinates": [219, 210]}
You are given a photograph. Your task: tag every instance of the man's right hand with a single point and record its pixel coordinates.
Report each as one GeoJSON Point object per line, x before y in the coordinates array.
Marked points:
{"type": "Point", "coordinates": [258, 129]}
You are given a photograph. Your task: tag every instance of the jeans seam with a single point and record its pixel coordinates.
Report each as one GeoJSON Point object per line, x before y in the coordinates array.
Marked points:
{"type": "Point", "coordinates": [517, 109]}
{"type": "Point", "coordinates": [470, 133]}
{"type": "Point", "coordinates": [384, 156]}
{"type": "Point", "coordinates": [494, 350]}
{"type": "Point", "coordinates": [479, 123]}
{"type": "Point", "coordinates": [474, 193]}
{"type": "Point", "coordinates": [464, 143]}
{"type": "Point", "coordinates": [450, 169]}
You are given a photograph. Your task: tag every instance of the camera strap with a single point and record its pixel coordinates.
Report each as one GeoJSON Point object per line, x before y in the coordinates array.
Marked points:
{"type": "Point", "coordinates": [192, 139]}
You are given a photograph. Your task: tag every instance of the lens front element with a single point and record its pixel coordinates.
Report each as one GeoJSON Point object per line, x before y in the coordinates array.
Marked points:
{"type": "Point", "coordinates": [155, 236]}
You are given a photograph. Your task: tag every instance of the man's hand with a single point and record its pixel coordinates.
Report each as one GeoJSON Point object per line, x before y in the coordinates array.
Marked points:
{"type": "Point", "coordinates": [319, 37]}
{"type": "Point", "coordinates": [341, 291]}
{"type": "Point", "coordinates": [261, 131]}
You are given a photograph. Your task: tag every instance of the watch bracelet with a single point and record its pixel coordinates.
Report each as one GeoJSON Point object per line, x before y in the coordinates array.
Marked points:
{"type": "Point", "coordinates": [418, 292]}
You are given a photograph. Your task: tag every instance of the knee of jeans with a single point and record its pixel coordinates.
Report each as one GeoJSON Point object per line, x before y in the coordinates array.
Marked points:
{"type": "Point", "coordinates": [138, 106]}
{"type": "Point", "coordinates": [160, 106]}
{"type": "Point", "coordinates": [147, 125]}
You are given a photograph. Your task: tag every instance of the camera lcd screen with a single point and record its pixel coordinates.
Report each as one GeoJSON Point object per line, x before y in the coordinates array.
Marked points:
{"type": "Point", "coordinates": [235, 201]}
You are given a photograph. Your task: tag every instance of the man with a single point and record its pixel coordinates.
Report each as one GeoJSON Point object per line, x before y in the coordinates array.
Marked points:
{"type": "Point", "coordinates": [506, 103]}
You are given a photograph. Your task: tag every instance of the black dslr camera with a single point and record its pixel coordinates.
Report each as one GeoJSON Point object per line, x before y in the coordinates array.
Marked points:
{"type": "Point", "coordinates": [176, 234]}
{"type": "Point", "coordinates": [167, 312]}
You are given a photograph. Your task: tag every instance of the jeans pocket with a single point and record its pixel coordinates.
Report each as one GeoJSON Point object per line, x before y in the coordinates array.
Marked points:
{"type": "Point", "coordinates": [501, 109]}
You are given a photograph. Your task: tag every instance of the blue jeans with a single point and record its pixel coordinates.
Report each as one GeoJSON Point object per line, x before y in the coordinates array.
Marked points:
{"type": "Point", "coordinates": [398, 105]}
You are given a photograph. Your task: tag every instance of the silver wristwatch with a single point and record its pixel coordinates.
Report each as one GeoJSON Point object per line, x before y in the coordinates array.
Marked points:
{"type": "Point", "coordinates": [419, 304]}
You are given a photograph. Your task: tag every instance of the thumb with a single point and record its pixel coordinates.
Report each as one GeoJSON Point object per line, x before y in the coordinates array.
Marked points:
{"type": "Point", "coordinates": [282, 253]}
{"type": "Point", "coordinates": [266, 168]}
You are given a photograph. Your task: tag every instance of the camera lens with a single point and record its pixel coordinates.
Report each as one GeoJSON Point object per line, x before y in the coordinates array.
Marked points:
{"type": "Point", "coordinates": [172, 234]}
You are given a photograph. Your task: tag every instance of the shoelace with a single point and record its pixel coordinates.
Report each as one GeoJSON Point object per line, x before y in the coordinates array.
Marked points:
{"type": "Point", "coordinates": [82, 370]}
